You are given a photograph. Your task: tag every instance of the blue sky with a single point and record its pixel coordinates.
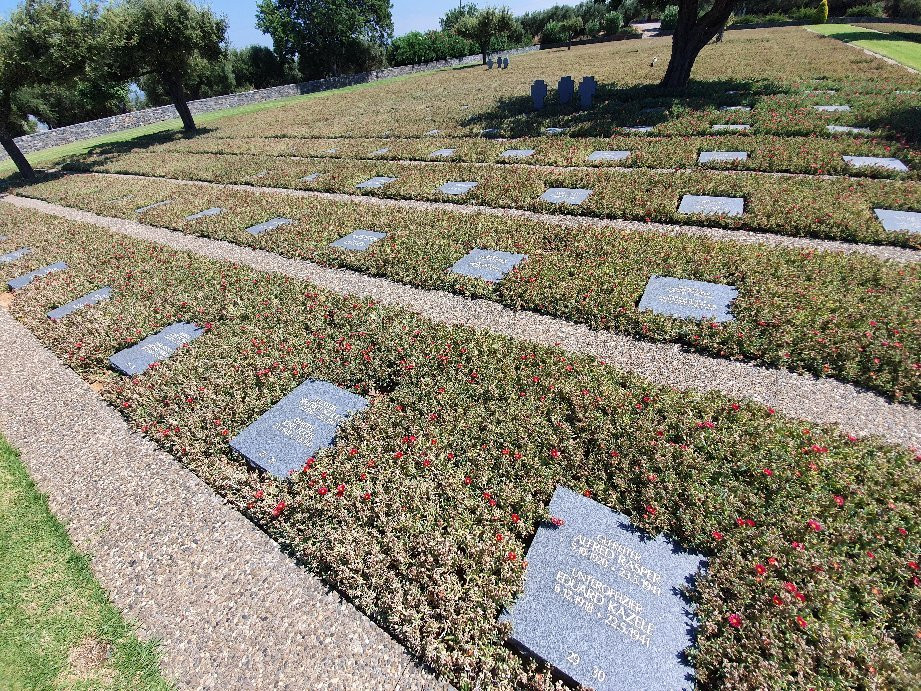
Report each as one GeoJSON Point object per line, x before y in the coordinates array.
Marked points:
{"type": "Point", "coordinates": [408, 15]}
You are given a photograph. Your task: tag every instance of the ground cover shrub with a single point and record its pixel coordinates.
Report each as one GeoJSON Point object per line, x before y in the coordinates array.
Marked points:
{"type": "Point", "coordinates": [613, 22]}
{"type": "Point", "coordinates": [805, 206]}
{"type": "Point", "coordinates": [844, 316]}
{"type": "Point", "coordinates": [811, 536]}
{"type": "Point", "coordinates": [872, 9]}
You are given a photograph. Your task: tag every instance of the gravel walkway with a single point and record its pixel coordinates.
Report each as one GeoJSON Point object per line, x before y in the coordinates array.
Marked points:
{"type": "Point", "coordinates": [232, 611]}
{"type": "Point", "coordinates": [898, 254]}
{"type": "Point", "coordinates": [800, 396]}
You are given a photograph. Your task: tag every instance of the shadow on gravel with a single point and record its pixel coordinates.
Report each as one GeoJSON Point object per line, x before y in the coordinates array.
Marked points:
{"type": "Point", "coordinates": [614, 107]}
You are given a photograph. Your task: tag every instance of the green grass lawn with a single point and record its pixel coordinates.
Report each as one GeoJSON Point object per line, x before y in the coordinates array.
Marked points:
{"type": "Point", "coordinates": [889, 45]}
{"type": "Point", "coordinates": [57, 627]}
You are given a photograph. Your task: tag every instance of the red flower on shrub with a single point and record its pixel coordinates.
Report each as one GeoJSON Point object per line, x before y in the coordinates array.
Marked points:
{"type": "Point", "coordinates": [814, 524]}
{"type": "Point", "coordinates": [801, 622]}
{"type": "Point", "coordinates": [323, 491]}
{"type": "Point", "coordinates": [768, 472]}
{"type": "Point", "coordinates": [735, 620]}
{"type": "Point", "coordinates": [554, 453]}
{"type": "Point", "coordinates": [557, 521]}
{"type": "Point", "coordinates": [777, 600]}
{"type": "Point", "coordinates": [512, 556]}
{"type": "Point", "coordinates": [760, 569]}
{"type": "Point", "coordinates": [717, 535]}
{"type": "Point", "coordinates": [279, 507]}
{"type": "Point", "coordinates": [839, 500]}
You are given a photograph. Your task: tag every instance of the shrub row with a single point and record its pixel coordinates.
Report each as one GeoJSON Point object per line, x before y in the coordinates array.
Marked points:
{"type": "Point", "coordinates": [465, 439]}
{"type": "Point", "coordinates": [851, 317]}
{"type": "Point", "coordinates": [802, 206]}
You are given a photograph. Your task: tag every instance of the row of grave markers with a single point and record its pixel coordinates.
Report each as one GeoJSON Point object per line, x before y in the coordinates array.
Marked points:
{"type": "Point", "coordinates": [616, 615]}
{"type": "Point", "coordinates": [565, 91]}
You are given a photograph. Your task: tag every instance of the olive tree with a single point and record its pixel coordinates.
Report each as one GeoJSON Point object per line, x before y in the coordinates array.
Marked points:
{"type": "Point", "coordinates": [165, 40]}
{"type": "Point", "coordinates": [487, 24]}
{"type": "Point", "coordinates": [42, 43]}
{"type": "Point", "coordinates": [693, 31]}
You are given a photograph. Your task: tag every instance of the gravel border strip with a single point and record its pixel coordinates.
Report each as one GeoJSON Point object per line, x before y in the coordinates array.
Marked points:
{"type": "Point", "coordinates": [898, 254]}
{"type": "Point", "coordinates": [232, 611]}
{"type": "Point", "coordinates": [822, 401]}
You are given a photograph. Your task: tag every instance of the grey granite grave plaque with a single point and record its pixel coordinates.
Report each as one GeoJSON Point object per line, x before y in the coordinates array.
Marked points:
{"type": "Point", "coordinates": [456, 187]}
{"type": "Point", "coordinates": [744, 109]}
{"type": "Point", "coordinates": [897, 221]}
{"type": "Point", "coordinates": [538, 94]}
{"type": "Point", "coordinates": [294, 429]}
{"type": "Point", "coordinates": [2, 238]}
{"type": "Point", "coordinates": [152, 206]}
{"type": "Point", "coordinates": [331, 150]}
{"type": "Point", "coordinates": [831, 109]}
{"type": "Point", "coordinates": [490, 265]}
{"type": "Point", "coordinates": [876, 162]}
{"type": "Point", "coordinates": [310, 178]}
{"type": "Point", "coordinates": [374, 183]}
{"type": "Point", "coordinates": [381, 151]}
{"type": "Point", "coordinates": [602, 600]}
{"type": "Point", "coordinates": [14, 255]}
{"type": "Point", "coordinates": [271, 224]}
{"type": "Point", "coordinates": [26, 279]}
{"type": "Point", "coordinates": [730, 128]}
{"type": "Point", "coordinates": [685, 299]}
{"type": "Point", "coordinates": [641, 129]}
{"type": "Point", "coordinates": [213, 211]}
{"type": "Point", "coordinates": [442, 153]}
{"type": "Point", "coordinates": [565, 89]}
{"type": "Point", "coordinates": [489, 131]}
{"type": "Point", "coordinates": [156, 348]}
{"type": "Point", "coordinates": [565, 195]}
{"type": "Point", "coordinates": [555, 130]}
{"type": "Point", "coordinates": [608, 156]}
{"type": "Point", "coordinates": [711, 206]}
{"type": "Point", "coordinates": [92, 298]}
{"type": "Point", "coordinates": [358, 240]}
{"type": "Point", "coordinates": [816, 92]}
{"type": "Point", "coordinates": [433, 133]}
{"type": "Point", "coordinates": [517, 153]}
{"type": "Point", "coordinates": [844, 129]}
{"type": "Point", "coordinates": [722, 156]}
{"type": "Point", "coordinates": [654, 110]}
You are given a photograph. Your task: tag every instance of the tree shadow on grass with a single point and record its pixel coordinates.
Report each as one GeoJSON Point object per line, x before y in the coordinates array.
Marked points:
{"type": "Point", "coordinates": [614, 108]}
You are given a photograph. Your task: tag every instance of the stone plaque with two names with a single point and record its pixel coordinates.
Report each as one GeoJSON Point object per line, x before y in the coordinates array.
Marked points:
{"type": "Point", "coordinates": [156, 348]}
{"type": "Point", "coordinates": [92, 298]}
{"type": "Point", "coordinates": [294, 429]}
{"type": "Point", "coordinates": [490, 265]}
{"type": "Point", "coordinates": [271, 224]}
{"type": "Point", "coordinates": [14, 255]}
{"type": "Point", "coordinates": [26, 279]}
{"type": "Point", "coordinates": [603, 601]}
{"type": "Point", "coordinates": [686, 299]}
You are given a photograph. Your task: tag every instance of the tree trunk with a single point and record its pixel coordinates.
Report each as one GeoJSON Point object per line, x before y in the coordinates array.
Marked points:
{"type": "Point", "coordinates": [25, 169]}
{"type": "Point", "coordinates": [690, 37]}
{"type": "Point", "coordinates": [484, 51]}
{"type": "Point", "coordinates": [177, 93]}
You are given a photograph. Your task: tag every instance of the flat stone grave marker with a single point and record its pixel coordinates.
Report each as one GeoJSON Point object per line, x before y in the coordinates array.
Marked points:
{"type": "Point", "coordinates": [26, 279]}
{"type": "Point", "coordinates": [640, 128]}
{"type": "Point", "coordinates": [831, 109]}
{"type": "Point", "coordinates": [456, 188]}
{"type": "Point", "coordinates": [297, 427]}
{"type": "Point", "coordinates": [555, 130]}
{"type": "Point", "coordinates": [153, 206]}
{"type": "Point", "coordinates": [730, 128]}
{"type": "Point", "coordinates": [155, 348]}
{"type": "Point", "coordinates": [602, 600]}
{"type": "Point", "coordinates": [686, 299]}
{"type": "Point", "coordinates": [490, 265]}
{"type": "Point", "coordinates": [565, 195]}
{"type": "Point", "coordinates": [654, 110]}
{"type": "Point", "coordinates": [442, 153]}
{"type": "Point", "coordinates": [14, 255]}
{"type": "Point", "coordinates": [744, 109]}
{"type": "Point", "coordinates": [489, 131]}
{"type": "Point", "coordinates": [374, 183]}
{"type": "Point", "coordinates": [265, 227]}
{"type": "Point", "coordinates": [711, 206]}
{"type": "Point", "coordinates": [87, 300]}
{"type": "Point", "coordinates": [897, 221]}
{"type": "Point", "coordinates": [816, 92]}
{"type": "Point", "coordinates": [566, 89]}
{"type": "Point", "coordinates": [213, 211]}
{"type": "Point", "coordinates": [517, 153]}
{"type": "Point", "coordinates": [310, 178]}
{"type": "Point", "coordinates": [358, 240]}
{"type": "Point", "coordinates": [331, 151]}
{"type": "Point", "coordinates": [608, 155]}
{"type": "Point", "coordinates": [381, 151]}
{"type": "Point", "coordinates": [877, 162]}
{"type": "Point", "coordinates": [539, 94]}
{"type": "Point", "coordinates": [2, 238]}
{"type": "Point", "coordinates": [844, 129]}
{"type": "Point", "coordinates": [587, 88]}
{"type": "Point", "coordinates": [722, 156]}
{"type": "Point", "coordinates": [433, 133]}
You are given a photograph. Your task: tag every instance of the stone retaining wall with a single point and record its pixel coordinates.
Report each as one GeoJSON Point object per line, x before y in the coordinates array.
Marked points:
{"type": "Point", "coordinates": [148, 116]}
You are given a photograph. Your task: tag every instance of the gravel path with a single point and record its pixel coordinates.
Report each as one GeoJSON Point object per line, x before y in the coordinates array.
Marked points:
{"type": "Point", "coordinates": [800, 396]}
{"type": "Point", "coordinates": [898, 254]}
{"type": "Point", "coordinates": [232, 611]}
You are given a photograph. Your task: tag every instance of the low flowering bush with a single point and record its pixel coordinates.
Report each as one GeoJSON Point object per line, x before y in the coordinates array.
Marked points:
{"type": "Point", "coordinates": [464, 440]}
{"type": "Point", "coordinates": [851, 317]}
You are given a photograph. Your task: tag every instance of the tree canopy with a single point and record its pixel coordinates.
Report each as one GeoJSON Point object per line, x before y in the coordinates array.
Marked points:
{"type": "Point", "coordinates": [486, 26]}
{"type": "Point", "coordinates": [327, 37]}
{"type": "Point", "coordinates": [42, 43]}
